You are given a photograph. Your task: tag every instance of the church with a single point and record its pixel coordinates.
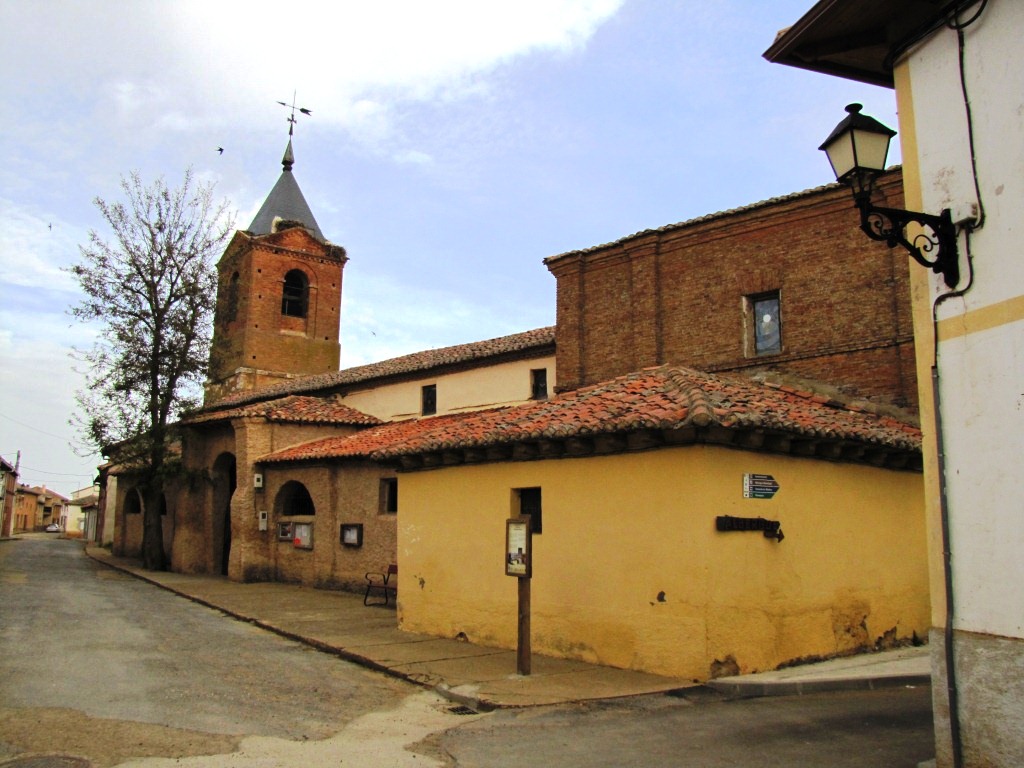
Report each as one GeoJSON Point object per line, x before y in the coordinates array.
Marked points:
{"type": "Point", "coordinates": [715, 445]}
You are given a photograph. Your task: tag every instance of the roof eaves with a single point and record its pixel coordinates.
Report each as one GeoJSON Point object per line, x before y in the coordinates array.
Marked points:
{"type": "Point", "coordinates": [706, 218]}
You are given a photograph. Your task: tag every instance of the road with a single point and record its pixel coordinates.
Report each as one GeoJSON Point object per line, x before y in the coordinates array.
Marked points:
{"type": "Point", "coordinates": [98, 665]}
{"type": "Point", "coordinates": [855, 729]}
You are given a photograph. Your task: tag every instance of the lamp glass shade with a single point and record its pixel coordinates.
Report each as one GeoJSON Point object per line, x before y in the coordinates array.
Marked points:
{"type": "Point", "coordinates": [857, 150]}
{"type": "Point", "coordinates": [858, 146]}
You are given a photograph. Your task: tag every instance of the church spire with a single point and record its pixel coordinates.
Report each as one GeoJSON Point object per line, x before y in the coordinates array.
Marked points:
{"type": "Point", "coordinates": [285, 203]}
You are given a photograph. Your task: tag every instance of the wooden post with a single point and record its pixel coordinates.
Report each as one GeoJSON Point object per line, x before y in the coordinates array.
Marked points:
{"type": "Point", "coordinates": [519, 563]}
{"type": "Point", "coordinates": [523, 651]}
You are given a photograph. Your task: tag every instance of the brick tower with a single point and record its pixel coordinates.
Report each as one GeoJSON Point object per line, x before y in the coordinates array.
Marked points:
{"type": "Point", "coordinates": [278, 297]}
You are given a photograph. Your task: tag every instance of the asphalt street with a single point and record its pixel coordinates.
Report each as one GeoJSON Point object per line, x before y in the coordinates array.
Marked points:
{"type": "Point", "coordinates": [99, 665]}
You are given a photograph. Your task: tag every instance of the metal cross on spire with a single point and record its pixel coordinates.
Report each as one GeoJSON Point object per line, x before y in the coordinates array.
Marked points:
{"type": "Point", "coordinates": [291, 117]}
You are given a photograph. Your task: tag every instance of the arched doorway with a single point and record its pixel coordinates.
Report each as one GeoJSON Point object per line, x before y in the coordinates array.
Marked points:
{"type": "Point", "coordinates": [130, 530]}
{"type": "Point", "coordinates": [224, 484]}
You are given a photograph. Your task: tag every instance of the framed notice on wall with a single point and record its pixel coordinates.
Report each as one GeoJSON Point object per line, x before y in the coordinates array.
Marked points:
{"type": "Point", "coordinates": [302, 535]}
{"type": "Point", "coordinates": [518, 547]}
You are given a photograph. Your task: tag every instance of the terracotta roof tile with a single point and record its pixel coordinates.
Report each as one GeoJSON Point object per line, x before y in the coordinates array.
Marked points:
{"type": "Point", "coordinates": [363, 444]}
{"type": "Point", "coordinates": [297, 409]}
{"type": "Point", "coordinates": [665, 398]}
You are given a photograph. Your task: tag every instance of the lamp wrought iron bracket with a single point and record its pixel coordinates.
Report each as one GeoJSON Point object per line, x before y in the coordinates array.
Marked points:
{"type": "Point", "coordinates": [933, 247]}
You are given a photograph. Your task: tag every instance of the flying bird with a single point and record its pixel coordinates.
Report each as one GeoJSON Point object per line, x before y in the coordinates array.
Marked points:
{"type": "Point", "coordinates": [220, 150]}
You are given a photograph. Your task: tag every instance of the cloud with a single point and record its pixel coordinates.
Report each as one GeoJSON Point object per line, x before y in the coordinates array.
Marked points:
{"type": "Point", "coordinates": [376, 325]}
{"type": "Point", "coordinates": [34, 248]}
{"type": "Point", "coordinates": [413, 157]}
{"type": "Point", "coordinates": [150, 65]}
{"type": "Point", "coordinates": [31, 419]}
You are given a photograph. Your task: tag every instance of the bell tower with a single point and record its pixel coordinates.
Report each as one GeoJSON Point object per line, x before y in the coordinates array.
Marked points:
{"type": "Point", "coordinates": [278, 310]}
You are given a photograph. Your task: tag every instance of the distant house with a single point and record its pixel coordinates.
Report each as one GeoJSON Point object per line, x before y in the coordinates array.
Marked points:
{"type": "Point", "coordinates": [36, 507]}
{"type": "Point", "coordinates": [83, 513]}
{"type": "Point", "coordinates": [8, 486]}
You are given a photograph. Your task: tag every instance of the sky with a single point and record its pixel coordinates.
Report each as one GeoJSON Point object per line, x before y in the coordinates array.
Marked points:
{"type": "Point", "coordinates": [452, 146]}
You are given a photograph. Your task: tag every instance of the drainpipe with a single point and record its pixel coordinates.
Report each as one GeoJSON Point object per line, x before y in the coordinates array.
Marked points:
{"type": "Point", "coordinates": [956, 744]}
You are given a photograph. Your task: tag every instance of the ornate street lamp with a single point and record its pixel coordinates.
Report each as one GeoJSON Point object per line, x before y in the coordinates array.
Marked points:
{"type": "Point", "coordinates": [857, 149]}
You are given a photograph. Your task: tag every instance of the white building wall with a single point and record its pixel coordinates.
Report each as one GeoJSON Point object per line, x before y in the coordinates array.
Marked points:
{"type": "Point", "coordinates": [487, 387]}
{"type": "Point", "coordinates": [981, 334]}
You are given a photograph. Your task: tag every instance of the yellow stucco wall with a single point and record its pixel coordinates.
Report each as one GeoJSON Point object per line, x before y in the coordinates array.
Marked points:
{"type": "Point", "coordinates": [630, 572]}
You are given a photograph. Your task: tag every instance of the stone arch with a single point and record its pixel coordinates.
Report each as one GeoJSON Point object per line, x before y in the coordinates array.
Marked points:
{"type": "Point", "coordinates": [225, 481]}
{"type": "Point", "coordinates": [130, 535]}
{"type": "Point", "coordinates": [133, 504]}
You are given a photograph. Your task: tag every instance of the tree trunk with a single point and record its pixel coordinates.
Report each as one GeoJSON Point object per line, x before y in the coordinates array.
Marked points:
{"type": "Point", "coordinates": [153, 558]}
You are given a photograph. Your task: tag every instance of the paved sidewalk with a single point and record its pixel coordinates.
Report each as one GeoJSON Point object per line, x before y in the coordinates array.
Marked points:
{"type": "Point", "coordinates": [481, 677]}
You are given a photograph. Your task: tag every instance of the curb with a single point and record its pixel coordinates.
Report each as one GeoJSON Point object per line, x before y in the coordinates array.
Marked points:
{"type": "Point", "coordinates": [758, 689]}
{"type": "Point", "coordinates": [722, 688]}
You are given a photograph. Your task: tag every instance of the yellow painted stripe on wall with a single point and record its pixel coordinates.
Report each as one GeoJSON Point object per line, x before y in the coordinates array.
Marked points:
{"type": "Point", "coordinates": [983, 319]}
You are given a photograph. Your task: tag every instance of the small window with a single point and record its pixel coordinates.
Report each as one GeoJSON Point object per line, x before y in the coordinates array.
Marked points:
{"type": "Point", "coordinates": [295, 295]}
{"type": "Point", "coordinates": [429, 400]}
{"type": "Point", "coordinates": [389, 495]}
{"type": "Point", "coordinates": [539, 384]}
{"type": "Point", "coordinates": [767, 323]}
{"type": "Point", "coordinates": [528, 501]}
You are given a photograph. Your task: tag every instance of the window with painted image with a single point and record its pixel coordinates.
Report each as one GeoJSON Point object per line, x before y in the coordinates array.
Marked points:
{"type": "Point", "coordinates": [765, 323]}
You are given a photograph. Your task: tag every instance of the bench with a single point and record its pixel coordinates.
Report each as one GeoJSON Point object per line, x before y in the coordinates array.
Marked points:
{"type": "Point", "coordinates": [382, 582]}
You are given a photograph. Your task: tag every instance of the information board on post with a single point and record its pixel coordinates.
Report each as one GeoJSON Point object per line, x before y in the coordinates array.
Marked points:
{"type": "Point", "coordinates": [518, 547]}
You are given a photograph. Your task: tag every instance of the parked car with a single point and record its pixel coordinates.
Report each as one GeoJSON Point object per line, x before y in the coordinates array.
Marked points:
{"type": "Point", "coordinates": [52, 528]}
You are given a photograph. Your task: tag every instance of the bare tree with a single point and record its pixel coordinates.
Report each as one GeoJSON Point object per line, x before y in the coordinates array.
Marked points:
{"type": "Point", "coordinates": [152, 290]}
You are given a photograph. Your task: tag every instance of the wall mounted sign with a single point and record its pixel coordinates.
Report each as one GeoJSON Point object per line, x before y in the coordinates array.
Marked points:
{"type": "Point", "coordinates": [284, 531]}
{"type": "Point", "coordinates": [302, 534]}
{"type": "Point", "coordinates": [352, 534]}
{"type": "Point", "coordinates": [518, 547]}
{"type": "Point", "coordinates": [772, 528]}
{"type": "Point", "coordinates": [759, 486]}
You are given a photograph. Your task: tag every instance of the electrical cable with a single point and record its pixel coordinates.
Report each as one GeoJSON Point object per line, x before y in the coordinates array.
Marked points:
{"type": "Point", "coordinates": [952, 693]}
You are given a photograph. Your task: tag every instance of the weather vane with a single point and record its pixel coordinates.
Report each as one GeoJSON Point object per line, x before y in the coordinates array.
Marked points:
{"type": "Point", "coordinates": [291, 118]}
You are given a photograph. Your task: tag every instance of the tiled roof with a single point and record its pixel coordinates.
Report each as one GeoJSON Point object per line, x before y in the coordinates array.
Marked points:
{"type": "Point", "coordinates": [656, 406]}
{"type": "Point", "coordinates": [296, 409]}
{"type": "Point", "coordinates": [367, 443]}
{"type": "Point", "coordinates": [413, 363]}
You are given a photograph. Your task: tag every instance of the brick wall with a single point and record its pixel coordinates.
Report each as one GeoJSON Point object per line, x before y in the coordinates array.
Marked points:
{"type": "Point", "coordinates": [680, 295]}
{"type": "Point", "coordinates": [250, 332]}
